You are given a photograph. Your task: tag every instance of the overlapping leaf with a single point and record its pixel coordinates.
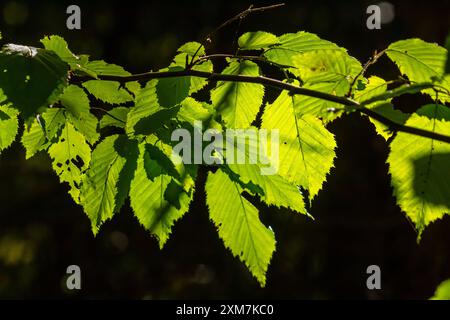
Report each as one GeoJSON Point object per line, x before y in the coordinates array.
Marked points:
{"type": "Point", "coordinates": [157, 198]}
{"type": "Point", "coordinates": [71, 157]}
{"type": "Point", "coordinates": [106, 183]}
{"type": "Point", "coordinates": [291, 44]}
{"type": "Point", "coordinates": [238, 103]}
{"type": "Point", "coordinates": [329, 71]}
{"type": "Point", "coordinates": [257, 40]}
{"type": "Point", "coordinates": [419, 168]}
{"type": "Point", "coordinates": [306, 146]}
{"type": "Point", "coordinates": [374, 88]}
{"type": "Point", "coordinates": [76, 102]}
{"type": "Point", "coordinates": [43, 131]}
{"type": "Point", "coordinates": [9, 125]}
{"type": "Point", "coordinates": [31, 78]}
{"type": "Point", "coordinates": [238, 224]}
{"type": "Point", "coordinates": [421, 61]}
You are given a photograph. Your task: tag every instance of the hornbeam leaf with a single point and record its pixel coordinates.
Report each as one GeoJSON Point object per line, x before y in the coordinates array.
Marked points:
{"type": "Point", "coordinates": [71, 157]}
{"type": "Point", "coordinates": [275, 189]}
{"type": "Point", "coordinates": [117, 117]}
{"type": "Point", "coordinates": [76, 102]}
{"type": "Point", "coordinates": [306, 146]}
{"type": "Point", "coordinates": [146, 104]}
{"type": "Point", "coordinates": [9, 125]}
{"type": "Point", "coordinates": [238, 224]}
{"type": "Point", "coordinates": [325, 110]}
{"type": "Point", "coordinates": [329, 71]}
{"type": "Point", "coordinates": [238, 103]}
{"type": "Point", "coordinates": [326, 66]}
{"type": "Point", "coordinates": [419, 168]}
{"type": "Point", "coordinates": [108, 91]}
{"type": "Point", "coordinates": [43, 131]}
{"type": "Point", "coordinates": [100, 67]}
{"type": "Point", "coordinates": [186, 54]}
{"type": "Point", "coordinates": [106, 183]}
{"type": "Point", "coordinates": [149, 199]}
{"type": "Point", "coordinates": [31, 78]}
{"type": "Point", "coordinates": [376, 87]}
{"type": "Point", "coordinates": [59, 46]}
{"type": "Point", "coordinates": [421, 61]}
{"type": "Point", "coordinates": [291, 44]}
{"type": "Point", "coordinates": [257, 40]}
{"type": "Point", "coordinates": [192, 110]}
{"type": "Point", "coordinates": [387, 110]}
{"type": "Point", "coordinates": [172, 91]}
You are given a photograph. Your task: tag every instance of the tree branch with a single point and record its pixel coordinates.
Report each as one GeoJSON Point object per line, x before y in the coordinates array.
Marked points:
{"type": "Point", "coordinates": [278, 84]}
{"type": "Point", "coordinates": [239, 17]}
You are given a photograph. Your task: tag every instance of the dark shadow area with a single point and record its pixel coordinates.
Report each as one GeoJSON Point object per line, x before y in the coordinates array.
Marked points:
{"type": "Point", "coordinates": [431, 176]}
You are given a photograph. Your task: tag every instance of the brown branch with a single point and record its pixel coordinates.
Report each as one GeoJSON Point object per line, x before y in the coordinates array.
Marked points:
{"type": "Point", "coordinates": [293, 89]}
{"type": "Point", "coordinates": [239, 17]}
{"type": "Point", "coordinates": [243, 57]}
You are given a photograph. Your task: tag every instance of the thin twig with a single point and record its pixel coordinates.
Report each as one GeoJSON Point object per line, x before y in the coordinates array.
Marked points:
{"type": "Point", "coordinates": [293, 89]}
{"type": "Point", "coordinates": [373, 59]}
{"type": "Point", "coordinates": [239, 16]}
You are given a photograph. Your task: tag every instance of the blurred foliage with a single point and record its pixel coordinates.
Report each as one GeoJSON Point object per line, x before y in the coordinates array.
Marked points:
{"type": "Point", "coordinates": [357, 222]}
{"type": "Point", "coordinates": [442, 291]}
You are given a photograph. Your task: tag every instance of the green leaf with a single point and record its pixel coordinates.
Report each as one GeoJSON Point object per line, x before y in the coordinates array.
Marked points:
{"type": "Point", "coordinates": [291, 44]}
{"type": "Point", "coordinates": [146, 104]}
{"type": "Point", "coordinates": [238, 224]}
{"type": "Point", "coordinates": [152, 123]}
{"type": "Point", "coordinates": [192, 110]}
{"type": "Point", "coordinates": [326, 66]}
{"type": "Point", "coordinates": [100, 67]}
{"type": "Point", "coordinates": [76, 102]}
{"type": "Point", "coordinates": [276, 190]}
{"type": "Point", "coordinates": [172, 91]}
{"type": "Point", "coordinates": [329, 71]}
{"type": "Point", "coordinates": [71, 157]}
{"type": "Point", "coordinates": [106, 183]}
{"type": "Point", "coordinates": [401, 90]}
{"type": "Point", "coordinates": [186, 53]}
{"type": "Point", "coordinates": [421, 61]}
{"type": "Point", "coordinates": [419, 168]}
{"type": "Point", "coordinates": [325, 110]}
{"type": "Point", "coordinates": [117, 117]}
{"type": "Point", "coordinates": [238, 102]}
{"type": "Point", "coordinates": [376, 87]}
{"type": "Point", "coordinates": [256, 169]}
{"type": "Point", "coordinates": [149, 198]}
{"type": "Point", "coordinates": [442, 291]}
{"type": "Point", "coordinates": [306, 148]}
{"type": "Point", "coordinates": [387, 110]}
{"type": "Point", "coordinates": [192, 48]}
{"type": "Point", "coordinates": [108, 91]}
{"type": "Point", "coordinates": [42, 131]}
{"type": "Point", "coordinates": [31, 78]}
{"type": "Point", "coordinates": [9, 125]}
{"type": "Point", "coordinates": [257, 40]}
{"type": "Point", "coordinates": [59, 46]}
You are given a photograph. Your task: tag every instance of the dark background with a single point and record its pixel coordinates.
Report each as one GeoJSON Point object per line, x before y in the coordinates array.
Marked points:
{"type": "Point", "coordinates": [357, 221]}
